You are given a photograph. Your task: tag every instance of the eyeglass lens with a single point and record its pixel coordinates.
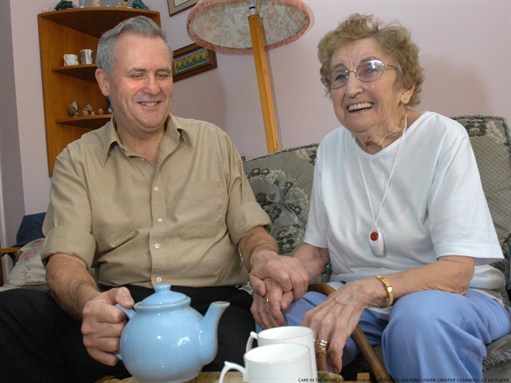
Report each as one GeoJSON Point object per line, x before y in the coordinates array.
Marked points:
{"type": "Point", "coordinates": [367, 71]}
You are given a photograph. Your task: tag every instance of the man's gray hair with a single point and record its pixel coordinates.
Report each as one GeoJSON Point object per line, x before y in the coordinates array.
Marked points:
{"type": "Point", "coordinates": [140, 25]}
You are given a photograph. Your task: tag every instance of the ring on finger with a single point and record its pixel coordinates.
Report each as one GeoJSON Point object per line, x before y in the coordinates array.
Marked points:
{"type": "Point", "coordinates": [266, 299]}
{"type": "Point", "coordinates": [322, 344]}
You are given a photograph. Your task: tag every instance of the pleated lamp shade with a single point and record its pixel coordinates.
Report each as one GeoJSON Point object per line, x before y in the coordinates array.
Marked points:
{"type": "Point", "coordinates": [250, 27]}
{"type": "Point", "coordinates": [222, 25]}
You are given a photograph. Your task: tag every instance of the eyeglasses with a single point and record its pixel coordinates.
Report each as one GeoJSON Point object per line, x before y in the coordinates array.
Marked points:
{"type": "Point", "coordinates": [367, 71]}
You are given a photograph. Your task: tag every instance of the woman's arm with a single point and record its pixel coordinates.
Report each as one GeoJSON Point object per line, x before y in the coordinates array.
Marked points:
{"type": "Point", "coordinates": [336, 318]}
{"type": "Point", "coordinates": [314, 259]}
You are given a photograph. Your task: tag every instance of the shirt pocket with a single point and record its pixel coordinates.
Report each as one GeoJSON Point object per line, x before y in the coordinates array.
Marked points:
{"type": "Point", "coordinates": [200, 212]}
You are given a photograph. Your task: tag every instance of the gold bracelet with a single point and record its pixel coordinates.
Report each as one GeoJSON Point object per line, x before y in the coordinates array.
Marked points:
{"type": "Point", "coordinates": [388, 288]}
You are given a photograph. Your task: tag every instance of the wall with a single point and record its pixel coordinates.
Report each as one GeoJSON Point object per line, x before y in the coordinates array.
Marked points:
{"type": "Point", "coordinates": [465, 49]}
{"type": "Point", "coordinates": [11, 205]}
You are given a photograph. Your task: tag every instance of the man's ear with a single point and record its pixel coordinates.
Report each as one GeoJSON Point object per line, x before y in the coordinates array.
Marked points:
{"type": "Point", "coordinates": [102, 79]}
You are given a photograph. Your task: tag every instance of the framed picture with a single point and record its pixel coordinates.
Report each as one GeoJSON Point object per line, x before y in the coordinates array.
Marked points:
{"type": "Point", "coordinates": [176, 6]}
{"type": "Point", "coordinates": [191, 60]}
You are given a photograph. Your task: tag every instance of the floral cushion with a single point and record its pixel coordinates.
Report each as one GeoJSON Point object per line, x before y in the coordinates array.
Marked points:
{"type": "Point", "coordinates": [282, 185]}
{"type": "Point", "coordinates": [29, 269]}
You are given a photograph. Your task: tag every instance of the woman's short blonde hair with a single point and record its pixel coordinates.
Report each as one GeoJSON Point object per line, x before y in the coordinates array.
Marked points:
{"type": "Point", "coordinates": [394, 39]}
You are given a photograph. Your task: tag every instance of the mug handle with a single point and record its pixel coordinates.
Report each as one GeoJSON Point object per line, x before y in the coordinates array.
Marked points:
{"type": "Point", "coordinates": [250, 341]}
{"type": "Point", "coordinates": [232, 366]}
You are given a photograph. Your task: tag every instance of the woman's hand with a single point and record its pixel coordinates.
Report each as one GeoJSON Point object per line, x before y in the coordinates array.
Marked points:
{"type": "Point", "coordinates": [334, 320]}
{"type": "Point", "coordinates": [103, 323]}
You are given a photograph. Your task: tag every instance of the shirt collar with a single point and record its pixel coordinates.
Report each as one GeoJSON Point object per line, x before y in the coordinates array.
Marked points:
{"type": "Point", "coordinates": [175, 133]}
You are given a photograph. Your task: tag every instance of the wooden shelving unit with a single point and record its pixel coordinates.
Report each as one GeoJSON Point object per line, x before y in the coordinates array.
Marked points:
{"type": "Point", "coordinates": [69, 31]}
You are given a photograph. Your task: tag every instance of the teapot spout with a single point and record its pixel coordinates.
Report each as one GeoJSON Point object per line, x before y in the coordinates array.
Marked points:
{"type": "Point", "coordinates": [209, 331]}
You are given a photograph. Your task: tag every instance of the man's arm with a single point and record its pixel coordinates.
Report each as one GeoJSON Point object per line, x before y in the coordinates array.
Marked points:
{"type": "Point", "coordinates": [76, 291]}
{"type": "Point", "coordinates": [257, 243]}
{"type": "Point", "coordinates": [70, 283]}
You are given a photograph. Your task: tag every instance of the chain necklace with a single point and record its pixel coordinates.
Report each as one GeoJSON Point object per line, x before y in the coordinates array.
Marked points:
{"type": "Point", "coordinates": [376, 240]}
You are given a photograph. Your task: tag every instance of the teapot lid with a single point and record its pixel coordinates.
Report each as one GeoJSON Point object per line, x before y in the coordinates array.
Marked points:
{"type": "Point", "coordinates": [163, 295]}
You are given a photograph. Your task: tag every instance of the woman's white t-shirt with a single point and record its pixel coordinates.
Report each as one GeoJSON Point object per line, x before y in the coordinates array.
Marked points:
{"type": "Point", "coordinates": [435, 205]}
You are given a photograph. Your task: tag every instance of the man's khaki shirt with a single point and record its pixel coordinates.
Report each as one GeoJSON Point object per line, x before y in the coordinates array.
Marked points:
{"type": "Point", "coordinates": [135, 223]}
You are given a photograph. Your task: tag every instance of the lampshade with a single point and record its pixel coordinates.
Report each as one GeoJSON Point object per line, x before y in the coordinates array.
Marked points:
{"type": "Point", "coordinates": [250, 27]}
{"type": "Point", "coordinates": [222, 25]}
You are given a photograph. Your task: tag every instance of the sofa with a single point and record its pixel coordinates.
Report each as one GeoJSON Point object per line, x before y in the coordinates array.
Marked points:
{"type": "Point", "coordinates": [282, 184]}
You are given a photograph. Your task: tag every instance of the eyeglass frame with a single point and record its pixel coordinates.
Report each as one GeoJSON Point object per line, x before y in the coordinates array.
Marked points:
{"type": "Point", "coordinates": [328, 82]}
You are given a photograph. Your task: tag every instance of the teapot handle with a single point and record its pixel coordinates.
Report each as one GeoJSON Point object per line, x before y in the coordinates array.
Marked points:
{"type": "Point", "coordinates": [130, 313]}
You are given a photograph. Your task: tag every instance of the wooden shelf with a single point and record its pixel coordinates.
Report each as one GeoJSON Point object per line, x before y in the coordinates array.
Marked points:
{"type": "Point", "coordinates": [91, 122]}
{"type": "Point", "coordinates": [94, 21]}
{"type": "Point", "coordinates": [70, 31]}
{"type": "Point", "coordinates": [85, 71]}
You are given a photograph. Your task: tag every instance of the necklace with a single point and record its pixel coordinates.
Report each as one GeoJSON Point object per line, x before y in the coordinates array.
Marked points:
{"type": "Point", "coordinates": [376, 240]}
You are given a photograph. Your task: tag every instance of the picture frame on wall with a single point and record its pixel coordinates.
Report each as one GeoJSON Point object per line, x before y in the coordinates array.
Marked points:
{"type": "Point", "coordinates": [191, 60]}
{"type": "Point", "coordinates": [176, 6]}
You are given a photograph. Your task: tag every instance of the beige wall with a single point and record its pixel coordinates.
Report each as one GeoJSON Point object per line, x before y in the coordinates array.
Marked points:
{"type": "Point", "coordinates": [465, 49]}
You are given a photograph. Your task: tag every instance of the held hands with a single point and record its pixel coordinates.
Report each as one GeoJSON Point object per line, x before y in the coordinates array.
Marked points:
{"type": "Point", "coordinates": [103, 323]}
{"type": "Point", "coordinates": [267, 310]}
{"type": "Point", "coordinates": [277, 282]}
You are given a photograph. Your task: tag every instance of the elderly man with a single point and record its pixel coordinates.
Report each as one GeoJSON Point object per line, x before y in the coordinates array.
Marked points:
{"type": "Point", "coordinates": [149, 198]}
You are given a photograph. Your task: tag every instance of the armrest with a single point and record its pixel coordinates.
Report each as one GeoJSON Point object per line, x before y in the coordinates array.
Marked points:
{"type": "Point", "coordinates": [6, 250]}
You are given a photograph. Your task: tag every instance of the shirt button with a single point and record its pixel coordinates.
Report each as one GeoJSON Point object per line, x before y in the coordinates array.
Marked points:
{"type": "Point", "coordinates": [158, 279]}
{"type": "Point", "coordinates": [157, 245]}
{"type": "Point", "coordinates": [156, 188]}
{"type": "Point", "coordinates": [160, 220]}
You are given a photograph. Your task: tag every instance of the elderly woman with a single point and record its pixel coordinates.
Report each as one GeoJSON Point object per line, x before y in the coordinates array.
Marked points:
{"type": "Point", "coordinates": [398, 211]}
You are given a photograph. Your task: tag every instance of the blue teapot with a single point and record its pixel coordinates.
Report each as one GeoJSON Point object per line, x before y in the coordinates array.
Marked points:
{"type": "Point", "coordinates": [166, 340]}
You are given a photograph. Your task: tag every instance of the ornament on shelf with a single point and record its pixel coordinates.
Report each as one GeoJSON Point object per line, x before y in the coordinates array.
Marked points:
{"type": "Point", "coordinates": [110, 109]}
{"type": "Point", "coordinates": [73, 108]}
{"type": "Point", "coordinates": [88, 111]}
{"type": "Point", "coordinates": [139, 4]}
{"type": "Point", "coordinates": [64, 5]}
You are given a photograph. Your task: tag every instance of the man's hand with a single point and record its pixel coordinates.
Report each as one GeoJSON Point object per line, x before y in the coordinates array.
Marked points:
{"type": "Point", "coordinates": [277, 282]}
{"type": "Point", "coordinates": [288, 272]}
{"type": "Point", "coordinates": [103, 323]}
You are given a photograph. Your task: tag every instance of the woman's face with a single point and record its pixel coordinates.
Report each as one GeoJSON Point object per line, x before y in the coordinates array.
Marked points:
{"type": "Point", "coordinates": [364, 107]}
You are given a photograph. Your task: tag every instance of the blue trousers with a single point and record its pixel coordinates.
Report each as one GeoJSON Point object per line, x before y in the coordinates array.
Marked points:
{"type": "Point", "coordinates": [428, 335]}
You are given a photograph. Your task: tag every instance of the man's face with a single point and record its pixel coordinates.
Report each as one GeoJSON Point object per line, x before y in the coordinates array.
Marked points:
{"type": "Point", "coordinates": [140, 84]}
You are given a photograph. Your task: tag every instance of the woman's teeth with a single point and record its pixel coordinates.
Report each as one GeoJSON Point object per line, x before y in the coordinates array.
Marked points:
{"type": "Point", "coordinates": [362, 105]}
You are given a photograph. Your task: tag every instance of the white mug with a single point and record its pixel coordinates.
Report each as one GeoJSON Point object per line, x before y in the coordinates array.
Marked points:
{"type": "Point", "coordinates": [274, 363]}
{"type": "Point", "coordinates": [286, 334]}
{"type": "Point", "coordinates": [70, 59]}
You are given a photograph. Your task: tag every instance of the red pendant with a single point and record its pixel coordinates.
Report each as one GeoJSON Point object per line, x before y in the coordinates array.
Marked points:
{"type": "Point", "coordinates": [374, 236]}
